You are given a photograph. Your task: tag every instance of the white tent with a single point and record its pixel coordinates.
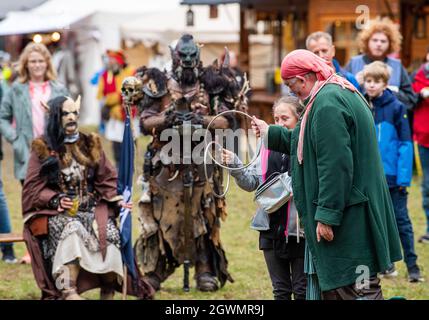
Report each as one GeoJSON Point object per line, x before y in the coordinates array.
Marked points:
{"type": "Point", "coordinates": [97, 26]}
{"type": "Point", "coordinates": [59, 14]}
{"type": "Point", "coordinates": [15, 5]}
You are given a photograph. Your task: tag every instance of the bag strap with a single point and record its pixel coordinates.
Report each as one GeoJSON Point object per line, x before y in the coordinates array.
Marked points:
{"type": "Point", "coordinates": [272, 175]}
{"type": "Point", "coordinates": [267, 183]}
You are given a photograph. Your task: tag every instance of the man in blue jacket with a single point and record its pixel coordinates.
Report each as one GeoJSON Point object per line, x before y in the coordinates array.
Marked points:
{"type": "Point", "coordinates": [320, 43]}
{"type": "Point", "coordinates": [396, 149]}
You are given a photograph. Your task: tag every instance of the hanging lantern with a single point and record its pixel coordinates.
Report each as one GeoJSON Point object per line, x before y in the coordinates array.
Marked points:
{"type": "Point", "coordinates": [420, 26]}
{"type": "Point", "coordinates": [190, 17]}
{"type": "Point", "coordinates": [213, 11]}
{"type": "Point", "coordinates": [37, 38]}
{"type": "Point", "coordinates": [55, 37]}
{"type": "Point", "coordinates": [250, 20]}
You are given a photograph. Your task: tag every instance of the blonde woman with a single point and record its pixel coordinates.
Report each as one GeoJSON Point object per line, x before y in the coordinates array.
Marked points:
{"type": "Point", "coordinates": [22, 117]}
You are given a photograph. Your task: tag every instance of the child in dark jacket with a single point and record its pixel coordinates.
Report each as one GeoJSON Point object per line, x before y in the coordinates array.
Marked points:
{"type": "Point", "coordinates": [282, 242]}
{"type": "Point", "coordinates": [396, 150]}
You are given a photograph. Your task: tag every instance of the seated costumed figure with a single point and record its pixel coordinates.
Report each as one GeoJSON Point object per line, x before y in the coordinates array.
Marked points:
{"type": "Point", "coordinates": [70, 203]}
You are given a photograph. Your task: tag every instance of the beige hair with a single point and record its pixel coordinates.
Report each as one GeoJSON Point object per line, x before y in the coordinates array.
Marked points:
{"type": "Point", "coordinates": [316, 36]}
{"type": "Point", "coordinates": [292, 102]}
{"type": "Point", "coordinates": [386, 26]}
{"type": "Point", "coordinates": [24, 76]}
{"type": "Point", "coordinates": [377, 70]}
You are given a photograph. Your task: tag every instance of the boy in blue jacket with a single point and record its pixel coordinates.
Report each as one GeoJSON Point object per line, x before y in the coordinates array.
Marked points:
{"type": "Point", "coordinates": [396, 149]}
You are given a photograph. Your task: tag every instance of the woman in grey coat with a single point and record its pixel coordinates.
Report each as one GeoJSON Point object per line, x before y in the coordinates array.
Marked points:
{"type": "Point", "coordinates": [22, 116]}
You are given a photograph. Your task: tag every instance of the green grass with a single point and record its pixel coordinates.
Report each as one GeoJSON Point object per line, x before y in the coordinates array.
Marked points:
{"type": "Point", "coordinates": [246, 263]}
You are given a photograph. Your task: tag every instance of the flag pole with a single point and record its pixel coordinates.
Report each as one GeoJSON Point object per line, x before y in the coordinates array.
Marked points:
{"type": "Point", "coordinates": [126, 177]}
{"type": "Point", "coordinates": [124, 283]}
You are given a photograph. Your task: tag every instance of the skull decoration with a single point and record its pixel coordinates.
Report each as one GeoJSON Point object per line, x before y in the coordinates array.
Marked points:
{"type": "Point", "coordinates": [132, 90]}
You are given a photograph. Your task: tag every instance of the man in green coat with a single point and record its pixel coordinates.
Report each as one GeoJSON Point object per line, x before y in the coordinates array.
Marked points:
{"type": "Point", "coordinates": [338, 180]}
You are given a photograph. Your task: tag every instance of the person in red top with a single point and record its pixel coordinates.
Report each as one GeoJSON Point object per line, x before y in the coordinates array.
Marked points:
{"type": "Point", "coordinates": [421, 135]}
{"type": "Point", "coordinates": [109, 94]}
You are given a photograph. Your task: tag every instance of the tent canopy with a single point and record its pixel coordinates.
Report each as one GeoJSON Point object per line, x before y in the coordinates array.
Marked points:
{"type": "Point", "coordinates": [26, 22]}
{"type": "Point", "coordinates": [6, 6]}
{"type": "Point", "coordinates": [62, 14]}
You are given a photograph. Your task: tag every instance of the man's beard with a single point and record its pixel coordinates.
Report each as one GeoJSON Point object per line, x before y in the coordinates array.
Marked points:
{"type": "Point", "coordinates": [186, 76]}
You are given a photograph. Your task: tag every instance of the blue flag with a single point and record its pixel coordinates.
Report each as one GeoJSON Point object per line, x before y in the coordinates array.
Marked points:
{"type": "Point", "coordinates": [125, 187]}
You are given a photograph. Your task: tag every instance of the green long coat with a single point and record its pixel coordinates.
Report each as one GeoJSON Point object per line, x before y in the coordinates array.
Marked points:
{"type": "Point", "coordinates": [16, 105]}
{"type": "Point", "coordinates": [341, 183]}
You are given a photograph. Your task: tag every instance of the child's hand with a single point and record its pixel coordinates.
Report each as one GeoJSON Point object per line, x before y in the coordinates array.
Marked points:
{"type": "Point", "coordinates": [227, 156]}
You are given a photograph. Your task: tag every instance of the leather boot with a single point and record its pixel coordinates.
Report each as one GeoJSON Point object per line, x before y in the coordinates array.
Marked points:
{"type": "Point", "coordinates": [206, 282]}
{"type": "Point", "coordinates": [70, 279]}
{"type": "Point", "coordinates": [204, 277]}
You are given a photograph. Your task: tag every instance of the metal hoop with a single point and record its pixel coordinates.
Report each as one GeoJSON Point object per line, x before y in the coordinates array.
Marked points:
{"type": "Point", "coordinates": [216, 143]}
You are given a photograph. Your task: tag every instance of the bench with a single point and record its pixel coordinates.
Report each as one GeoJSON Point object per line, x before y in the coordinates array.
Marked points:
{"type": "Point", "coordinates": [10, 237]}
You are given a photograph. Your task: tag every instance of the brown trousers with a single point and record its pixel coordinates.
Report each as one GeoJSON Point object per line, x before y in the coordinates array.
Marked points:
{"type": "Point", "coordinates": [351, 292]}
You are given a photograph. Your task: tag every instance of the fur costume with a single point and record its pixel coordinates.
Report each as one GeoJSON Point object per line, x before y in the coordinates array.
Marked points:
{"type": "Point", "coordinates": [160, 248]}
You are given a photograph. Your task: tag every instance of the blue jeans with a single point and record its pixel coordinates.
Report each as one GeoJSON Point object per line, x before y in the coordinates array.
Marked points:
{"type": "Point", "coordinates": [424, 158]}
{"type": "Point", "coordinates": [4, 213]}
{"type": "Point", "coordinates": [405, 228]}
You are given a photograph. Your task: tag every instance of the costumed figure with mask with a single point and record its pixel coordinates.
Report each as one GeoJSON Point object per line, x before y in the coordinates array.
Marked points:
{"type": "Point", "coordinates": [70, 203]}
{"type": "Point", "coordinates": [177, 229]}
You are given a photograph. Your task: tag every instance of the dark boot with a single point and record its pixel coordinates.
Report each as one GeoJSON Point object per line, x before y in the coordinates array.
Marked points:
{"type": "Point", "coordinates": [206, 282]}
{"type": "Point", "coordinates": [8, 254]}
{"type": "Point", "coordinates": [107, 289]}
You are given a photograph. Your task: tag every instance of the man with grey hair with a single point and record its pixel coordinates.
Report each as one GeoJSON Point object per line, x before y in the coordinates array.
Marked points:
{"type": "Point", "coordinates": [320, 43]}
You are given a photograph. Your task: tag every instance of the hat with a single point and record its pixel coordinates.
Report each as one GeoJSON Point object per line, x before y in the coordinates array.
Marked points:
{"type": "Point", "coordinates": [117, 55]}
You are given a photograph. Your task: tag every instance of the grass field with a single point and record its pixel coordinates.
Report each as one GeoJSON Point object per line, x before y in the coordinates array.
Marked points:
{"type": "Point", "coordinates": [246, 263]}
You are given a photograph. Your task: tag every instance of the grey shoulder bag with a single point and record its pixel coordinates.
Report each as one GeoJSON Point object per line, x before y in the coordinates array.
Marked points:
{"type": "Point", "coordinates": [274, 193]}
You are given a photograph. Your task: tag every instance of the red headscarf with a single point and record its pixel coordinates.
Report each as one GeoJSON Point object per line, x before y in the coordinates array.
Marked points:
{"type": "Point", "coordinates": [299, 63]}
